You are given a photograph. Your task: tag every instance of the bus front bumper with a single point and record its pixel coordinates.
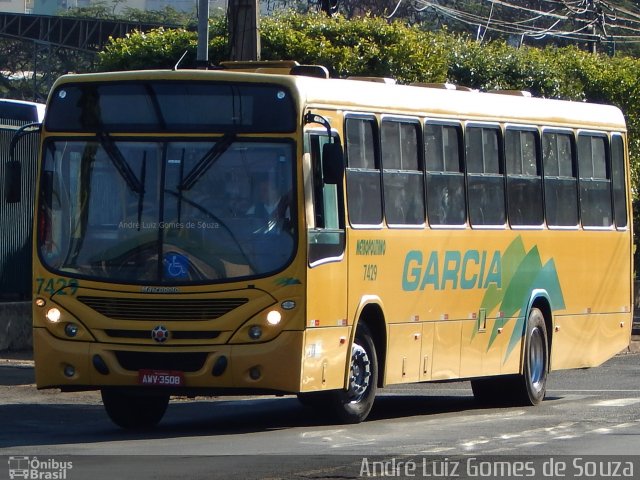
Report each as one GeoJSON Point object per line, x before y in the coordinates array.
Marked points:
{"type": "Point", "coordinates": [72, 365]}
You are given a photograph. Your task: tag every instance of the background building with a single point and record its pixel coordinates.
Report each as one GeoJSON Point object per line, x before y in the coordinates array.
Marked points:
{"type": "Point", "coordinates": [52, 7]}
{"type": "Point", "coordinates": [13, 6]}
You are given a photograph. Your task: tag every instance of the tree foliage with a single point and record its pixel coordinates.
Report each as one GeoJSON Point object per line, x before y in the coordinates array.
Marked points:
{"type": "Point", "coordinates": [19, 60]}
{"type": "Point", "coordinates": [364, 46]}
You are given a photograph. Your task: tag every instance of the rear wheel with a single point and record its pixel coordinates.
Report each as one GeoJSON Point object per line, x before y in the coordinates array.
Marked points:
{"type": "Point", "coordinates": [532, 384]}
{"type": "Point", "coordinates": [131, 411]}
{"type": "Point", "coordinates": [528, 388]}
{"type": "Point", "coordinates": [354, 404]}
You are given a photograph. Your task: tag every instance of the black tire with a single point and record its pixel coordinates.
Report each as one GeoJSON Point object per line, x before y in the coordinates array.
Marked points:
{"type": "Point", "coordinates": [531, 386]}
{"type": "Point", "coordinates": [131, 411]}
{"type": "Point", "coordinates": [354, 404]}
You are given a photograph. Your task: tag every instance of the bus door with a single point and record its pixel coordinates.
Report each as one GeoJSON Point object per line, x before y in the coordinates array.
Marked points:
{"type": "Point", "coordinates": [327, 333]}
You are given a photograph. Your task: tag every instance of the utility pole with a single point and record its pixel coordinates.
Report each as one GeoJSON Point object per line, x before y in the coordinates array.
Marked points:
{"type": "Point", "coordinates": [202, 59]}
{"type": "Point", "coordinates": [244, 30]}
{"type": "Point", "coordinates": [329, 6]}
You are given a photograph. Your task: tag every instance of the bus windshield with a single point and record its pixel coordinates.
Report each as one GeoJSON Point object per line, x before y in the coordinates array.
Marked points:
{"type": "Point", "coordinates": [166, 212]}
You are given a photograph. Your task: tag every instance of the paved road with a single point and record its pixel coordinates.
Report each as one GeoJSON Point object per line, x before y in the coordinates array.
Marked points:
{"type": "Point", "coordinates": [587, 412]}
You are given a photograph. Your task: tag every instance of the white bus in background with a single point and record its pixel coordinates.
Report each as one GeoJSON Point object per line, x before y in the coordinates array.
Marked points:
{"type": "Point", "coordinates": [21, 110]}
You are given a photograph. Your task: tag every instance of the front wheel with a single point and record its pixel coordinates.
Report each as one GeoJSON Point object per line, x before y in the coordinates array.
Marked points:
{"type": "Point", "coordinates": [354, 404]}
{"type": "Point", "coordinates": [131, 411]}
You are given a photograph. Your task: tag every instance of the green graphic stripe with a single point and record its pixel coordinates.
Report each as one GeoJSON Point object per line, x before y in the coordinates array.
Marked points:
{"type": "Point", "coordinates": [522, 273]}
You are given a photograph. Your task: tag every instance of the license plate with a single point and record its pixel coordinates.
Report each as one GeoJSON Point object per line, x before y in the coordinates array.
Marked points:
{"type": "Point", "coordinates": [160, 378]}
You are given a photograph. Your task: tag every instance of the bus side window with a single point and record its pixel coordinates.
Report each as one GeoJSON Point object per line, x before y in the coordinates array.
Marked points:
{"type": "Point", "coordinates": [595, 180]}
{"type": "Point", "coordinates": [364, 193]}
{"type": "Point", "coordinates": [445, 174]}
{"type": "Point", "coordinates": [326, 239]}
{"type": "Point", "coordinates": [484, 176]}
{"type": "Point", "coordinates": [402, 174]}
{"type": "Point", "coordinates": [524, 181]}
{"type": "Point", "coordinates": [619, 190]}
{"type": "Point", "coordinates": [560, 182]}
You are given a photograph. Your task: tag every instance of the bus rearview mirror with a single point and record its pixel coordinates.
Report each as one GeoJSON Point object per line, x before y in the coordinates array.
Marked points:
{"type": "Point", "coordinates": [332, 164]}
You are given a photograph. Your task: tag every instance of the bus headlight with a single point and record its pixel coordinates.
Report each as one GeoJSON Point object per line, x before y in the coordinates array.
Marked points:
{"type": "Point", "coordinates": [274, 317]}
{"type": "Point", "coordinates": [53, 315]}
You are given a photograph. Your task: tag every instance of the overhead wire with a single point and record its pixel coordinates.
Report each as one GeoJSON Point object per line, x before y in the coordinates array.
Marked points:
{"type": "Point", "coordinates": [395, 10]}
{"type": "Point", "coordinates": [580, 20]}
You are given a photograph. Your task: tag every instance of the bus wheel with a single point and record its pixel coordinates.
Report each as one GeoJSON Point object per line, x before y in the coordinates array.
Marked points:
{"type": "Point", "coordinates": [532, 384]}
{"type": "Point", "coordinates": [131, 411]}
{"type": "Point", "coordinates": [354, 404]}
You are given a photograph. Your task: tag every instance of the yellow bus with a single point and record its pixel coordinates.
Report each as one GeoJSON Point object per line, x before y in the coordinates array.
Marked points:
{"type": "Point", "coordinates": [264, 229]}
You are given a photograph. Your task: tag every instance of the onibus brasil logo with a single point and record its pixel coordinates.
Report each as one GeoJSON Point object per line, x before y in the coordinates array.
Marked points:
{"type": "Point", "coordinates": [38, 469]}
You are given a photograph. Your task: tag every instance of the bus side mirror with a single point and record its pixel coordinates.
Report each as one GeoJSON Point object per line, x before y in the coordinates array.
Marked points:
{"type": "Point", "coordinates": [13, 168]}
{"type": "Point", "coordinates": [332, 164]}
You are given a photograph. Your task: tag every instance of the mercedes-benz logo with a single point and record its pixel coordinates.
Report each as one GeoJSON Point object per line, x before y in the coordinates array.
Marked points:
{"type": "Point", "coordinates": [160, 334]}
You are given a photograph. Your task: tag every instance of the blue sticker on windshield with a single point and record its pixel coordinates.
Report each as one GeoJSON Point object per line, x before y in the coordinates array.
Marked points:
{"type": "Point", "coordinates": [176, 265]}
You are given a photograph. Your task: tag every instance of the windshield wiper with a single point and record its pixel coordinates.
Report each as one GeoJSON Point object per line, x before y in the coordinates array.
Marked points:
{"type": "Point", "coordinates": [206, 161]}
{"type": "Point", "coordinates": [120, 163]}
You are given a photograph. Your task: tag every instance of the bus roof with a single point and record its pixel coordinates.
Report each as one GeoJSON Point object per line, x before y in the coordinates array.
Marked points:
{"type": "Point", "coordinates": [440, 103]}
{"type": "Point", "coordinates": [359, 95]}
{"type": "Point", "coordinates": [21, 110]}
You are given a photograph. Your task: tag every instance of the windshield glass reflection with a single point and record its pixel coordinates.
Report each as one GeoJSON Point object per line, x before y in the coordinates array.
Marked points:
{"type": "Point", "coordinates": [167, 212]}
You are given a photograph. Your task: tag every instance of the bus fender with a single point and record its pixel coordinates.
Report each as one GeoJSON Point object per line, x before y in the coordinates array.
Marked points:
{"type": "Point", "coordinates": [536, 295]}
{"type": "Point", "coordinates": [380, 343]}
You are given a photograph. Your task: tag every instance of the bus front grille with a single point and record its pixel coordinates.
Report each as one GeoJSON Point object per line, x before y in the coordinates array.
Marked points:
{"type": "Point", "coordinates": [183, 362]}
{"type": "Point", "coordinates": [176, 335]}
{"type": "Point", "coordinates": [153, 309]}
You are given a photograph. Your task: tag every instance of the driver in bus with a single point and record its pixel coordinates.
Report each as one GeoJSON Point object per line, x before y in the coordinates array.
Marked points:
{"type": "Point", "coordinates": [270, 206]}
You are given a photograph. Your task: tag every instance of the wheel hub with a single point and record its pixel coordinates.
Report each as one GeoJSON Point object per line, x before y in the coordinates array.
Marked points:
{"type": "Point", "coordinates": [536, 360]}
{"type": "Point", "coordinates": [360, 377]}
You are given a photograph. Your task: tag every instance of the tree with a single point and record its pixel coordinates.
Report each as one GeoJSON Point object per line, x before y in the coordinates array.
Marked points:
{"type": "Point", "coordinates": [17, 78]}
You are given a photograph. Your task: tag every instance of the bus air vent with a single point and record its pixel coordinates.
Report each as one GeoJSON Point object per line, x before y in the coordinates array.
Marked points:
{"type": "Point", "coordinates": [317, 71]}
{"type": "Point", "coordinates": [442, 86]}
{"type": "Point", "coordinates": [160, 309]}
{"type": "Point", "coordinates": [261, 66]}
{"type": "Point", "coordinates": [388, 81]}
{"type": "Point", "coordinates": [175, 335]}
{"type": "Point", "coordinates": [514, 93]}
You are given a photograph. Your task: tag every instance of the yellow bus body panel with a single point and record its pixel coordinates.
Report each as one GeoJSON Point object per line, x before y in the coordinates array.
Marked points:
{"type": "Point", "coordinates": [446, 295]}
